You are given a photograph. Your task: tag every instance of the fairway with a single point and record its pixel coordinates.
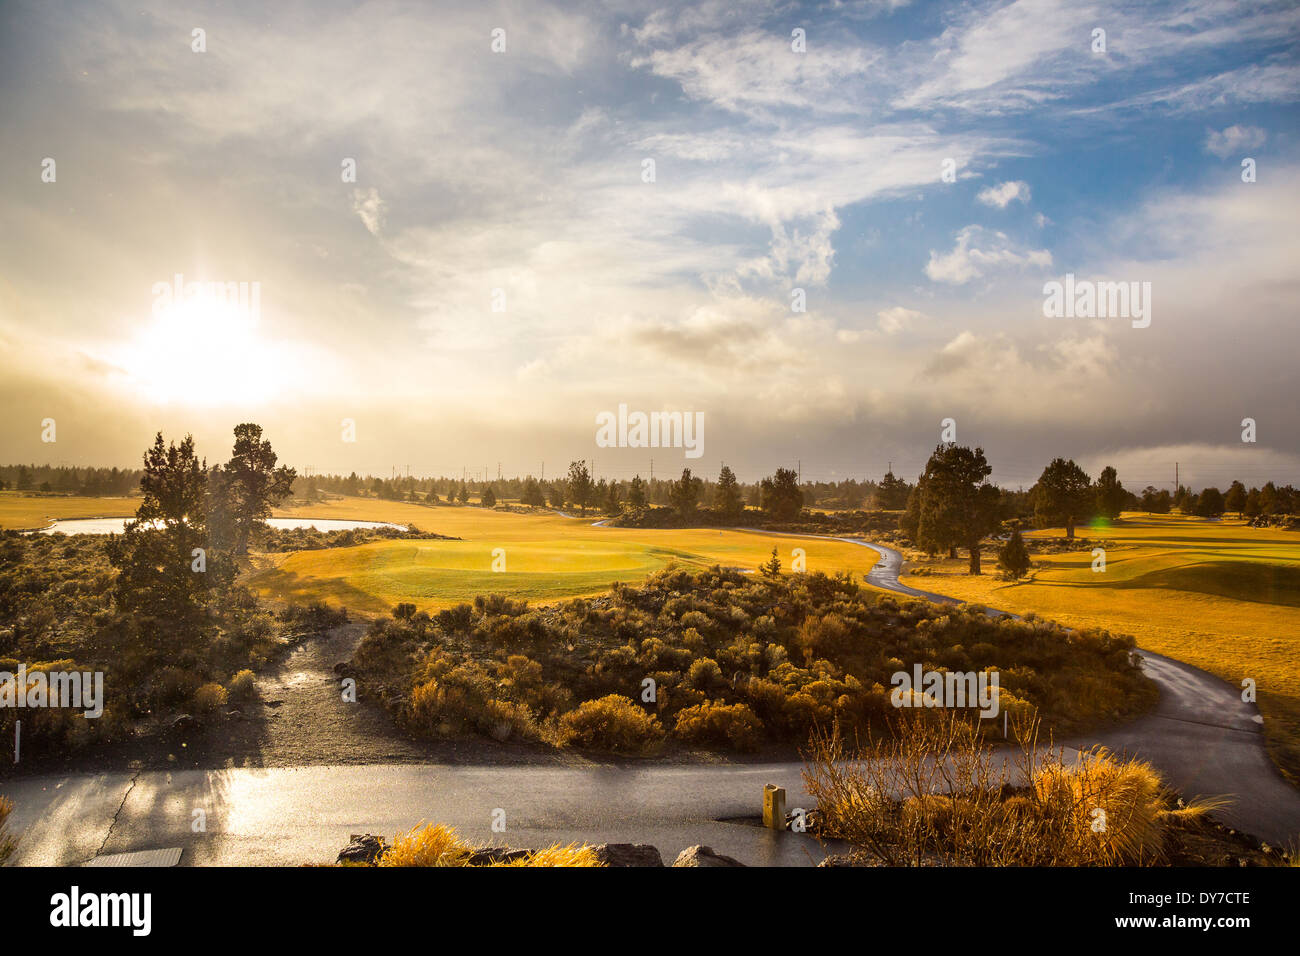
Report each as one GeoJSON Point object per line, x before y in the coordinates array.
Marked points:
{"type": "Point", "coordinates": [547, 557]}
{"type": "Point", "coordinates": [22, 512]}
{"type": "Point", "coordinates": [1216, 594]}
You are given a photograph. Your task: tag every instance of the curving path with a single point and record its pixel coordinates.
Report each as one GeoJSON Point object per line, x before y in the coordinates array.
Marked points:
{"type": "Point", "coordinates": [1201, 735]}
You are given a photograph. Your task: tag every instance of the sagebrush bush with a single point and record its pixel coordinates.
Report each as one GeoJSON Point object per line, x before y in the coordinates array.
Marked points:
{"type": "Point", "coordinates": [243, 685]}
{"type": "Point", "coordinates": [7, 843]}
{"type": "Point", "coordinates": [613, 724]}
{"type": "Point", "coordinates": [209, 698]}
{"type": "Point", "coordinates": [799, 652]}
{"type": "Point", "coordinates": [732, 726]}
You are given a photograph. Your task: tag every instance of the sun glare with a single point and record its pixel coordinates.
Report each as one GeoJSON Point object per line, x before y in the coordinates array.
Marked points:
{"type": "Point", "coordinates": [201, 353]}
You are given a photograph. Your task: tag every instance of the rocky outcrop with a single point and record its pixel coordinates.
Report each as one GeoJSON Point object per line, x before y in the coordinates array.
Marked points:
{"type": "Point", "coordinates": [628, 854]}
{"type": "Point", "coordinates": [704, 856]}
{"type": "Point", "coordinates": [364, 849]}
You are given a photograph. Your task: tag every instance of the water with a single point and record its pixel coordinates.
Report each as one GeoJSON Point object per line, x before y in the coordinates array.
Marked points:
{"type": "Point", "coordinates": [115, 525]}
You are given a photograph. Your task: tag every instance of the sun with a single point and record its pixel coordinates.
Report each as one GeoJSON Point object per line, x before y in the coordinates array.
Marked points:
{"type": "Point", "coordinates": [202, 352]}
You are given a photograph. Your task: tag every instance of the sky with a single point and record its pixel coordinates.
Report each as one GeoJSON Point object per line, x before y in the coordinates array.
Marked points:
{"type": "Point", "coordinates": [625, 204]}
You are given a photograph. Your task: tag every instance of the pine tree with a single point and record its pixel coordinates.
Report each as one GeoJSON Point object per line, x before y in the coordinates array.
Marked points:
{"type": "Point", "coordinates": [1013, 557]}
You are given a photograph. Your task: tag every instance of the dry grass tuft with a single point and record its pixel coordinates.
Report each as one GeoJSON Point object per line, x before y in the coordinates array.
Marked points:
{"type": "Point", "coordinates": [428, 845]}
{"type": "Point", "coordinates": [935, 792]}
{"type": "Point", "coordinates": [439, 845]}
{"type": "Point", "coordinates": [574, 854]}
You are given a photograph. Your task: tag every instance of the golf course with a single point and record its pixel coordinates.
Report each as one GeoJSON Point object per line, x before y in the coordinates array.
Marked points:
{"type": "Point", "coordinates": [547, 557]}
{"type": "Point", "coordinates": [1219, 595]}
{"type": "Point", "coordinates": [1216, 594]}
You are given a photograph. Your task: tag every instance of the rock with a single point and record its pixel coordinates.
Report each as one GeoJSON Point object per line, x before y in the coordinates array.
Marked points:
{"type": "Point", "coordinates": [364, 848]}
{"type": "Point", "coordinates": [496, 854]}
{"type": "Point", "coordinates": [628, 854]}
{"type": "Point", "coordinates": [703, 856]}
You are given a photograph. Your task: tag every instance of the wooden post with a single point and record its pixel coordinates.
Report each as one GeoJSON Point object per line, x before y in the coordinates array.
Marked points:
{"type": "Point", "coordinates": [774, 807]}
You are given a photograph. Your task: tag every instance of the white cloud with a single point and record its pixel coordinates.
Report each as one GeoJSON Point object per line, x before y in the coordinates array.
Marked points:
{"type": "Point", "coordinates": [1233, 139]}
{"type": "Point", "coordinates": [1004, 193]}
{"type": "Point", "coordinates": [367, 204]}
{"type": "Point", "coordinates": [896, 319]}
{"type": "Point", "coordinates": [979, 251]}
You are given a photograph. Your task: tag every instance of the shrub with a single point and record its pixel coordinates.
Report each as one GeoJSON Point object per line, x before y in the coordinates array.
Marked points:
{"type": "Point", "coordinates": [718, 724]}
{"type": "Point", "coordinates": [934, 791]}
{"type": "Point", "coordinates": [612, 723]}
{"type": "Point", "coordinates": [209, 697]}
{"type": "Point", "coordinates": [243, 686]}
{"type": "Point", "coordinates": [7, 843]}
{"type": "Point", "coordinates": [705, 674]}
{"type": "Point", "coordinates": [173, 685]}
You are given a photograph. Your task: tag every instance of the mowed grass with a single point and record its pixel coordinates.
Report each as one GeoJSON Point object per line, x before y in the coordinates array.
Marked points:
{"type": "Point", "coordinates": [22, 512]}
{"type": "Point", "coordinates": [547, 557]}
{"type": "Point", "coordinates": [1217, 594]}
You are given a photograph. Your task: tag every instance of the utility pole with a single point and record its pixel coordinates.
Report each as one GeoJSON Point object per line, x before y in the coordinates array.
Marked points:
{"type": "Point", "coordinates": [1176, 478]}
{"type": "Point", "coordinates": [801, 471]}
{"type": "Point", "coordinates": [652, 470]}
{"type": "Point", "coordinates": [543, 471]}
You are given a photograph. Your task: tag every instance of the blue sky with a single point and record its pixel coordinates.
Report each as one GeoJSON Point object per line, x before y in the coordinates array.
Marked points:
{"type": "Point", "coordinates": [521, 171]}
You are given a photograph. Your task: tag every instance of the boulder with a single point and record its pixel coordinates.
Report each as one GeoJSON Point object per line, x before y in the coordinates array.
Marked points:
{"type": "Point", "coordinates": [704, 856]}
{"type": "Point", "coordinates": [364, 848]}
{"type": "Point", "coordinates": [628, 854]}
{"type": "Point", "coordinates": [496, 854]}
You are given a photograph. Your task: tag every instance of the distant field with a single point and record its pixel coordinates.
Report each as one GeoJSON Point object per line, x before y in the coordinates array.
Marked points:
{"type": "Point", "coordinates": [25, 512]}
{"type": "Point", "coordinates": [547, 557]}
{"type": "Point", "coordinates": [1216, 594]}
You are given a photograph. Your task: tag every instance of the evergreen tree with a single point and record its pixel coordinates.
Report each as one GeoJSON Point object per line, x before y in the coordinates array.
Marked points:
{"type": "Point", "coordinates": [729, 503]}
{"type": "Point", "coordinates": [1013, 556]}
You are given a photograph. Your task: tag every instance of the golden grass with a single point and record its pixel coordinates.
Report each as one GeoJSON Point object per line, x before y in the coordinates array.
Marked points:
{"type": "Point", "coordinates": [1119, 803]}
{"type": "Point", "coordinates": [7, 843]}
{"type": "Point", "coordinates": [23, 512]}
{"type": "Point", "coordinates": [439, 845]}
{"type": "Point", "coordinates": [548, 557]}
{"type": "Point", "coordinates": [574, 854]}
{"type": "Point", "coordinates": [1219, 595]}
{"type": "Point", "coordinates": [427, 845]}
{"type": "Point", "coordinates": [935, 792]}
